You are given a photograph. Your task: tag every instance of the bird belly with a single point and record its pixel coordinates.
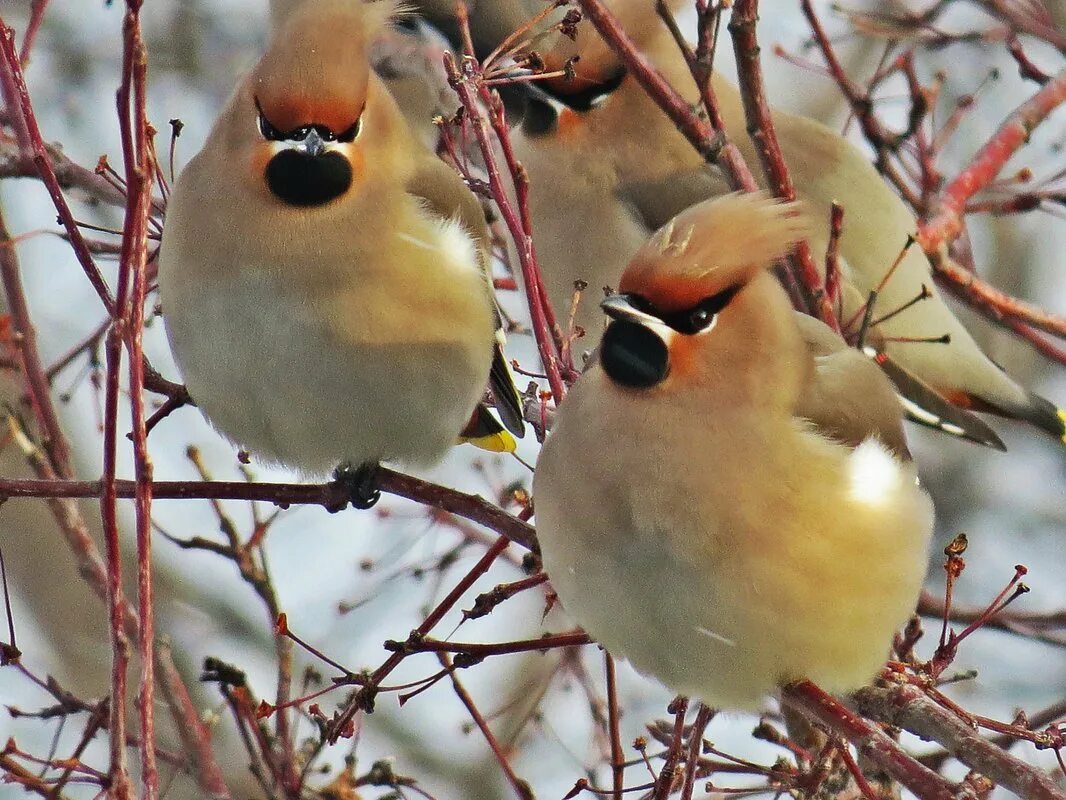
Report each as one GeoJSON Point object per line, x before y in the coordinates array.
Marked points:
{"type": "Point", "coordinates": [724, 586]}
{"type": "Point", "coordinates": [273, 378]}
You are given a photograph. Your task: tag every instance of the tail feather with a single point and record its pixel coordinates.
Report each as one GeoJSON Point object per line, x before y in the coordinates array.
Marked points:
{"type": "Point", "coordinates": [1037, 411]}
{"type": "Point", "coordinates": [504, 392]}
{"type": "Point", "coordinates": [1045, 415]}
{"type": "Point", "coordinates": [486, 433]}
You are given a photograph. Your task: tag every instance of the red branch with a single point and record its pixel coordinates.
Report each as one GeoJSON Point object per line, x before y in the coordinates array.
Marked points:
{"type": "Point", "coordinates": [709, 143]}
{"type": "Point", "coordinates": [909, 708]}
{"type": "Point", "coordinates": [871, 742]}
{"type": "Point", "coordinates": [17, 97]}
{"type": "Point", "coordinates": [465, 78]}
{"type": "Point", "coordinates": [946, 224]}
{"type": "Point", "coordinates": [331, 496]}
{"type": "Point", "coordinates": [995, 302]}
{"type": "Point", "coordinates": [521, 788]}
{"type": "Point", "coordinates": [363, 699]}
{"type": "Point", "coordinates": [614, 726]}
{"type": "Point", "coordinates": [742, 26]}
{"type": "Point", "coordinates": [195, 735]}
{"type": "Point", "coordinates": [133, 264]}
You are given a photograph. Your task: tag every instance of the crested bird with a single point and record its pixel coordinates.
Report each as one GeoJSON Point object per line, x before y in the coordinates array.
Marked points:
{"type": "Point", "coordinates": [598, 149]}
{"type": "Point", "coordinates": [323, 274]}
{"type": "Point", "coordinates": [726, 499]}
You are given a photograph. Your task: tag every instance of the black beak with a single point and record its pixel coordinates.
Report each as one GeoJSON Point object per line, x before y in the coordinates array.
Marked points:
{"type": "Point", "coordinates": [620, 306]}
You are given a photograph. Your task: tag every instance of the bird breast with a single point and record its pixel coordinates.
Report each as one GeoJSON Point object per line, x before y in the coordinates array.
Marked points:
{"type": "Point", "coordinates": [726, 555]}
{"type": "Point", "coordinates": [312, 345]}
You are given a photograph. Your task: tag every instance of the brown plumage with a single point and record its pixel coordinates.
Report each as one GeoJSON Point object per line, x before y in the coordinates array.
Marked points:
{"type": "Point", "coordinates": [725, 498]}
{"type": "Point", "coordinates": [322, 273]}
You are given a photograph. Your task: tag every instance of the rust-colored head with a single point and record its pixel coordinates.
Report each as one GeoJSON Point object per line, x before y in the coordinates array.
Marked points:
{"type": "Point", "coordinates": [312, 94]}
{"type": "Point", "coordinates": [711, 247]}
{"type": "Point", "coordinates": [699, 312]}
{"type": "Point", "coordinates": [316, 69]}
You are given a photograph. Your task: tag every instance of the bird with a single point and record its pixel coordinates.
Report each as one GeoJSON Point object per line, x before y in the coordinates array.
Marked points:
{"type": "Point", "coordinates": [598, 149]}
{"type": "Point", "coordinates": [726, 498]}
{"type": "Point", "coordinates": [323, 275]}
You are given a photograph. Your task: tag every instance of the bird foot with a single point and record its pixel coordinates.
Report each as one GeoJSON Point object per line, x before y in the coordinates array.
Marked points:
{"type": "Point", "coordinates": [361, 483]}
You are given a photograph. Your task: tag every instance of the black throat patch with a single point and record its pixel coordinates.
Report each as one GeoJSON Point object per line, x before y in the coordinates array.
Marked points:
{"type": "Point", "coordinates": [304, 180]}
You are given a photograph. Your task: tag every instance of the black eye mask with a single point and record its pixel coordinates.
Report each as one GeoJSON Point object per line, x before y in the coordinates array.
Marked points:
{"type": "Point", "coordinates": [273, 134]}
{"type": "Point", "coordinates": [690, 320]}
{"type": "Point", "coordinates": [541, 116]}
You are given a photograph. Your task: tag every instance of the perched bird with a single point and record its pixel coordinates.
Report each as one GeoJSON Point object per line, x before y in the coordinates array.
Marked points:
{"type": "Point", "coordinates": [598, 149]}
{"type": "Point", "coordinates": [726, 498]}
{"type": "Point", "coordinates": [323, 274]}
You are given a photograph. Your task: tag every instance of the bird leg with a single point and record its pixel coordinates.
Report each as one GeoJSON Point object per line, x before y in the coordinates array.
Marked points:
{"type": "Point", "coordinates": [361, 483]}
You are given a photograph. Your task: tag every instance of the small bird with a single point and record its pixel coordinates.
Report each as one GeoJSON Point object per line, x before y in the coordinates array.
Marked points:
{"type": "Point", "coordinates": [597, 148]}
{"type": "Point", "coordinates": [323, 274]}
{"type": "Point", "coordinates": [726, 498]}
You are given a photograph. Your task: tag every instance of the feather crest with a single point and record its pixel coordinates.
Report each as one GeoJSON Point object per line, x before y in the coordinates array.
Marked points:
{"type": "Point", "coordinates": [713, 245]}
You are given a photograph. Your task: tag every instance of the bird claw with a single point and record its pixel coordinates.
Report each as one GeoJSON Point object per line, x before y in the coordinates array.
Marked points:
{"type": "Point", "coordinates": [361, 483]}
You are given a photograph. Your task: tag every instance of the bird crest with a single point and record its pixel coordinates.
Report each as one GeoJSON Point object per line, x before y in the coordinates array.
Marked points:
{"type": "Point", "coordinates": [712, 246]}
{"type": "Point", "coordinates": [316, 69]}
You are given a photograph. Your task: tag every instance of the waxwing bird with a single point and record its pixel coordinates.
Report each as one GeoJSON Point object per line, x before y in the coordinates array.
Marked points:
{"type": "Point", "coordinates": [598, 149]}
{"type": "Point", "coordinates": [322, 273]}
{"type": "Point", "coordinates": [726, 498]}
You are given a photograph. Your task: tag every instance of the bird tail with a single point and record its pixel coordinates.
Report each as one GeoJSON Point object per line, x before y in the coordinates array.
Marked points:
{"type": "Point", "coordinates": [486, 433]}
{"type": "Point", "coordinates": [504, 391]}
{"type": "Point", "coordinates": [1036, 410]}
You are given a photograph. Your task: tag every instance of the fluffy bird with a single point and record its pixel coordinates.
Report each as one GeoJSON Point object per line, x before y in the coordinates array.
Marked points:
{"type": "Point", "coordinates": [323, 274]}
{"type": "Point", "coordinates": [757, 519]}
{"type": "Point", "coordinates": [598, 149]}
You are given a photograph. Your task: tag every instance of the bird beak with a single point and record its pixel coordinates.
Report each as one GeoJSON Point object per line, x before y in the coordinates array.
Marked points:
{"type": "Point", "coordinates": [312, 144]}
{"type": "Point", "coordinates": [620, 306]}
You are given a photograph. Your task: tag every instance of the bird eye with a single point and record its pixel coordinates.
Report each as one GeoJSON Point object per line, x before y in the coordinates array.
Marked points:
{"type": "Point", "coordinates": [699, 319]}
{"type": "Point", "coordinates": [701, 316]}
{"type": "Point", "coordinates": [268, 131]}
{"type": "Point", "coordinates": [350, 133]}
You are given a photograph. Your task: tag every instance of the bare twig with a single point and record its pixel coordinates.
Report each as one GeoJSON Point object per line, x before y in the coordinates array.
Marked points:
{"type": "Point", "coordinates": [946, 224]}
{"type": "Point", "coordinates": [908, 707]}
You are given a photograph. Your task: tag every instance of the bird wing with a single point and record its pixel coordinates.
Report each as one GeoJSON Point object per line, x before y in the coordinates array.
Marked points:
{"type": "Point", "coordinates": [657, 201]}
{"type": "Point", "coordinates": [445, 195]}
{"type": "Point", "coordinates": [926, 406]}
{"type": "Point", "coordinates": [847, 397]}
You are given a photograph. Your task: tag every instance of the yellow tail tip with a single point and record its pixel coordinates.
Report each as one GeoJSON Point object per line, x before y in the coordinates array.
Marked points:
{"type": "Point", "coordinates": [1062, 415]}
{"type": "Point", "coordinates": [499, 442]}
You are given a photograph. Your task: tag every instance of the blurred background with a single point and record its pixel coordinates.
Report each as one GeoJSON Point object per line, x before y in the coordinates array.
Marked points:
{"type": "Point", "coordinates": [349, 581]}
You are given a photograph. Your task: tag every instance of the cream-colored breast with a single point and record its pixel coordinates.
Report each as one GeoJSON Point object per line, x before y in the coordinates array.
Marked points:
{"type": "Point", "coordinates": [314, 339]}
{"type": "Point", "coordinates": [722, 563]}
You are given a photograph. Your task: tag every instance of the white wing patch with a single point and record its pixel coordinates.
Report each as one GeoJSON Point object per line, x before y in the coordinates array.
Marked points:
{"type": "Point", "coordinates": [873, 472]}
{"type": "Point", "coordinates": [458, 245]}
